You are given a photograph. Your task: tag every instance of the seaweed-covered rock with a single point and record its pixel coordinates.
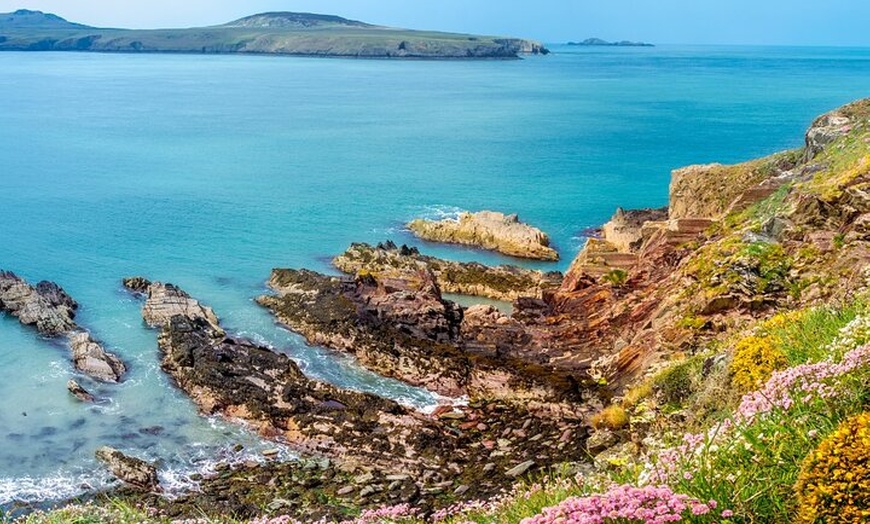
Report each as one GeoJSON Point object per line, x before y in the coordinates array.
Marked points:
{"type": "Point", "coordinates": [133, 471]}
{"type": "Point", "coordinates": [488, 230]}
{"type": "Point", "coordinates": [466, 278]}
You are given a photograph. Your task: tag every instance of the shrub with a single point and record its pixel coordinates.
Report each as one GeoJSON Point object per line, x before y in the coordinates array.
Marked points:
{"type": "Point", "coordinates": [834, 483]}
{"type": "Point", "coordinates": [611, 417]}
{"type": "Point", "coordinates": [616, 277]}
{"type": "Point", "coordinates": [755, 359]}
{"type": "Point", "coordinates": [676, 383]}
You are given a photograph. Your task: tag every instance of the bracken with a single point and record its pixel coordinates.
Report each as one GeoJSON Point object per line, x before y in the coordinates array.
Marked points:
{"type": "Point", "coordinates": [834, 483]}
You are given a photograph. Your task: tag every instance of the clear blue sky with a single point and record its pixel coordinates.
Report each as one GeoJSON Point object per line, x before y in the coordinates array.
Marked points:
{"type": "Point", "coordinates": [788, 22]}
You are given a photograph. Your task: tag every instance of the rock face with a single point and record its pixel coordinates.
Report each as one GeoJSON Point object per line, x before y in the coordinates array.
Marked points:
{"type": "Point", "coordinates": [52, 311]}
{"type": "Point", "coordinates": [135, 472]}
{"type": "Point", "coordinates": [626, 229]}
{"type": "Point", "coordinates": [404, 329]}
{"type": "Point", "coordinates": [488, 230]}
{"type": "Point", "coordinates": [466, 278]}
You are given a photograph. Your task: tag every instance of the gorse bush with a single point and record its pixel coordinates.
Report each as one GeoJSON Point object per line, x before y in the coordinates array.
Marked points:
{"type": "Point", "coordinates": [834, 483]}
{"type": "Point", "coordinates": [611, 417]}
{"type": "Point", "coordinates": [755, 359]}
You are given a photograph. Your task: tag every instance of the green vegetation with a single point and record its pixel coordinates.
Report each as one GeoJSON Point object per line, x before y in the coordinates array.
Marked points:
{"type": "Point", "coordinates": [269, 33]}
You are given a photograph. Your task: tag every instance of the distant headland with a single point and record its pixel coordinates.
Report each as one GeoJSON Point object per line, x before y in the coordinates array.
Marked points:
{"type": "Point", "coordinates": [278, 33]}
{"type": "Point", "coordinates": [600, 42]}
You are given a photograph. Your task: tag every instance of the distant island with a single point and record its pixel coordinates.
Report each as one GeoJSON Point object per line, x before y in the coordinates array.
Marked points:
{"type": "Point", "coordinates": [278, 33]}
{"type": "Point", "coordinates": [600, 42]}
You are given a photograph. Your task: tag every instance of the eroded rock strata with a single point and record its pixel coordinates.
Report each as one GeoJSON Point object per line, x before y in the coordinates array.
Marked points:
{"type": "Point", "coordinates": [52, 311]}
{"type": "Point", "coordinates": [375, 436]}
{"type": "Point", "coordinates": [403, 328]}
{"type": "Point", "coordinates": [488, 230]}
{"type": "Point", "coordinates": [466, 278]}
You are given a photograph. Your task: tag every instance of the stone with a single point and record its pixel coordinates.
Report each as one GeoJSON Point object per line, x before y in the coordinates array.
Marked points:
{"type": "Point", "coordinates": [461, 490]}
{"type": "Point", "coordinates": [136, 472]}
{"type": "Point", "coordinates": [347, 490]}
{"type": "Point", "coordinates": [519, 469]}
{"type": "Point", "coordinates": [79, 392]}
{"type": "Point", "coordinates": [488, 230]}
{"type": "Point", "coordinates": [90, 358]}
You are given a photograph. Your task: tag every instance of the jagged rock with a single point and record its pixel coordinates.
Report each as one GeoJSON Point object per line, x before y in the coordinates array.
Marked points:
{"type": "Point", "coordinates": [824, 130]}
{"type": "Point", "coordinates": [79, 392]}
{"type": "Point", "coordinates": [46, 306]}
{"type": "Point", "coordinates": [466, 278]}
{"type": "Point", "coordinates": [489, 230]}
{"type": "Point", "coordinates": [135, 472]}
{"type": "Point", "coordinates": [90, 358]}
{"type": "Point", "coordinates": [166, 301]}
{"type": "Point", "coordinates": [625, 230]}
{"type": "Point", "coordinates": [403, 329]}
{"type": "Point", "coordinates": [137, 284]}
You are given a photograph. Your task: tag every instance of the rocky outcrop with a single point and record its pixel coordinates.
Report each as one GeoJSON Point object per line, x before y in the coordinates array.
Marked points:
{"type": "Point", "coordinates": [488, 230]}
{"type": "Point", "coordinates": [52, 311]}
{"type": "Point", "coordinates": [625, 230]}
{"type": "Point", "coordinates": [46, 306]}
{"type": "Point", "coordinates": [133, 471]}
{"type": "Point", "coordinates": [402, 455]}
{"type": "Point", "coordinates": [404, 329]}
{"type": "Point", "coordinates": [164, 301]}
{"type": "Point", "coordinates": [91, 359]}
{"type": "Point", "coordinates": [466, 278]}
{"type": "Point", "coordinates": [79, 392]}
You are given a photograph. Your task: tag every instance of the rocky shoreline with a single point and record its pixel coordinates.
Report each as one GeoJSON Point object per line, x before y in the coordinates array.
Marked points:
{"type": "Point", "coordinates": [658, 285]}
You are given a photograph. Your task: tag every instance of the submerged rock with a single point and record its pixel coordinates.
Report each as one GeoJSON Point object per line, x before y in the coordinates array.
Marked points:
{"type": "Point", "coordinates": [135, 472]}
{"type": "Point", "coordinates": [466, 278]}
{"type": "Point", "coordinates": [489, 230]}
{"type": "Point", "coordinates": [79, 392]}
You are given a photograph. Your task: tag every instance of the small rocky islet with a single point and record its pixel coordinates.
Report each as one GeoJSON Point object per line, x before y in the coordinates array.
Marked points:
{"type": "Point", "coordinates": [735, 244]}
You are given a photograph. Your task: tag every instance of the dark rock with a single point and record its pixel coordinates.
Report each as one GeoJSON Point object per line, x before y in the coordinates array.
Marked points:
{"type": "Point", "coordinates": [79, 392]}
{"type": "Point", "coordinates": [137, 284]}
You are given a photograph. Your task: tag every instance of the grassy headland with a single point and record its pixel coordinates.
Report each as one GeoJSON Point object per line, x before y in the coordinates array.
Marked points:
{"type": "Point", "coordinates": [299, 34]}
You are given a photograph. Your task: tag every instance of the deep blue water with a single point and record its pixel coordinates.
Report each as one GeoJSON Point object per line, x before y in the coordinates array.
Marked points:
{"type": "Point", "coordinates": [207, 171]}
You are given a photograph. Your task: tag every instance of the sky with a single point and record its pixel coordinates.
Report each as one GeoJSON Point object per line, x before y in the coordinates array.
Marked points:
{"type": "Point", "coordinates": [744, 22]}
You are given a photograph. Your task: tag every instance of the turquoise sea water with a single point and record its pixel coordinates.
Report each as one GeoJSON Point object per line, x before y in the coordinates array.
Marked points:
{"type": "Point", "coordinates": [207, 171]}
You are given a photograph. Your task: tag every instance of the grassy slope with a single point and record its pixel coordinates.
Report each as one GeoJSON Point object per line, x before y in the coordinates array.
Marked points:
{"type": "Point", "coordinates": [320, 40]}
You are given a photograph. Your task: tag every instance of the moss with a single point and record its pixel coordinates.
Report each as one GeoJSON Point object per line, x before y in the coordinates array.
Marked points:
{"type": "Point", "coordinates": [612, 417]}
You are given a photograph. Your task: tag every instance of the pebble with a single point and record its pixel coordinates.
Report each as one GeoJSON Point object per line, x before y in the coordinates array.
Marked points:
{"type": "Point", "coordinates": [345, 491]}
{"type": "Point", "coordinates": [366, 491]}
{"type": "Point", "coordinates": [364, 478]}
{"type": "Point", "coordinates": [397, 477]}
{"type": "Point", "coordinates": [461, 490]}
{"type": "Point", "coordinates": [270, 453]}
{"type": "Point", "coordinates": [488, 467]}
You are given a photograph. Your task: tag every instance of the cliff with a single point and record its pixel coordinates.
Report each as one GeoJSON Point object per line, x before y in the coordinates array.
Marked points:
{"type": "Point", "coordinates": [279, 33]}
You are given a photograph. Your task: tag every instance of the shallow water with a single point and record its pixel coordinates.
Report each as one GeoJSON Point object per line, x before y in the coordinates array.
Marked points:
{"type": "Point", "coordinates": [207, 171]}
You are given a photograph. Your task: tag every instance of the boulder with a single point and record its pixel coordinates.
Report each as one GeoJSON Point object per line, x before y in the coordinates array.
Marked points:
{"type": "Point", "coordinates": [79, 392]}
{"type": "Point", "coordinates": [166, 301]}
{"type": "Point", "coordinates": [90, 358]}
{"type": "Point", "coordinates": [133, 471]}
{"type": "Point", "coordinates": [488, 230]}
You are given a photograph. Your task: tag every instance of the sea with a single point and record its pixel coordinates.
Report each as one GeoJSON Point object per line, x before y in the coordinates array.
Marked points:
{"type": "Point", "coordinates": [209, 171]}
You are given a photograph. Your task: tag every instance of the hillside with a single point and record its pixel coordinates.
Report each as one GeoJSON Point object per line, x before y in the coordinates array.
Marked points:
{"type": "Point", "coordinates": [280, 33]}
